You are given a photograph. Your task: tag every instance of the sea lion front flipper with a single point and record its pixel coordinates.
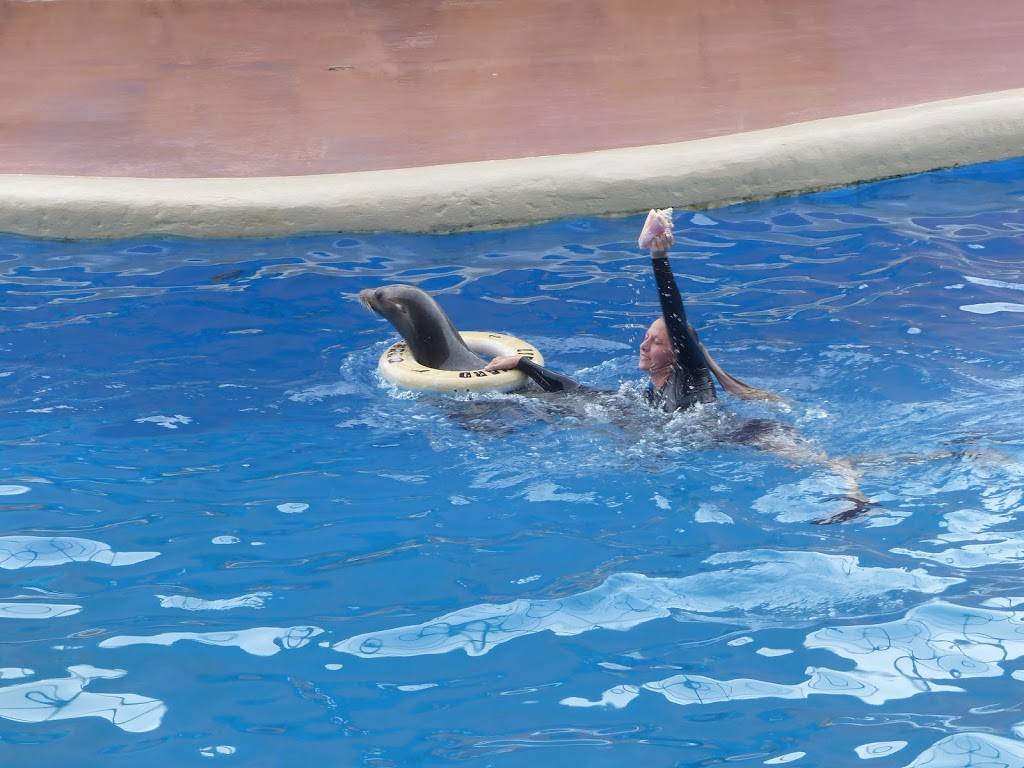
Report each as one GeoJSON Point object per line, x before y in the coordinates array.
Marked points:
{"type": "Point", "coordinates": [734, 386]}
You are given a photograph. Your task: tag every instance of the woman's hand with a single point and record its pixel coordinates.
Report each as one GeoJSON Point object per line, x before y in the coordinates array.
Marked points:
{"type": "Point", "coordinates": [656, 234]}
{"type": "Point", "coordinates": [661, 243]}
{"type": "Point", "coordinates": [503, 363]}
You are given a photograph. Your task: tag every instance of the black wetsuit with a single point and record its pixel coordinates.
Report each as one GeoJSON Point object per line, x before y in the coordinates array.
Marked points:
{"type": "Point", "coordinates": [689, 382]}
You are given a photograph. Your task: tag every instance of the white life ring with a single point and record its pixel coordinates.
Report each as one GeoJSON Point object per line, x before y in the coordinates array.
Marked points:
{"type": "Point", "coordinates": [398, 366]}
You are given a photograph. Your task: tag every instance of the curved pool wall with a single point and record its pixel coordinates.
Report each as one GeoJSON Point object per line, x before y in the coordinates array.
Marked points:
{"type": "Point", "coordinates": [697, 174]}
{"type": "Point", "coordinates": [223, 538]}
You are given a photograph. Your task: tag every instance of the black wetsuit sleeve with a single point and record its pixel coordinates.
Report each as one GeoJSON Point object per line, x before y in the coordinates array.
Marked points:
{"type": "Point", "coordinates": [691, 378]}
{"type": "Point", "coordinates": [684, 341]}
{"type": "Point", "coordinates": [549, 381]}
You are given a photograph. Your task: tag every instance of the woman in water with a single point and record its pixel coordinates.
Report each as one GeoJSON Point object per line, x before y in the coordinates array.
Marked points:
{"type": "Point", "coordinates": [680, 370]}
{"type": "Point", "coordinates": [678, 365]}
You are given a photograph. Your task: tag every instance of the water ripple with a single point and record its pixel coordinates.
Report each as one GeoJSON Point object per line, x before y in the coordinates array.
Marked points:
{"type": "Point", "coordinates": [777, 587]}
{"type": "Point", "coordinates": [66, 699]}
{"type": "Point", "coordinates": [216, 404]}
{"type": "Point", "coordinates": [37, 551]}
{"type": "Point", "coordinates": [258, 641]}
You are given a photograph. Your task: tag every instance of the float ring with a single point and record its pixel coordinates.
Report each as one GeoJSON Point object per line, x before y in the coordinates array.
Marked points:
{"type": "Point", "coordinates": [398, 366]}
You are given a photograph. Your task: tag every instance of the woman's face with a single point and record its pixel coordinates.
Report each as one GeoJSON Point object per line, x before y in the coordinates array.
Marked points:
{"type": "Point", "coordinates": [656, 348]}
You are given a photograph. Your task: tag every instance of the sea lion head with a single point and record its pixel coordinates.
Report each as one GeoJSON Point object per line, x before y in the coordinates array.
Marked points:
{"type": "Point", "coordinates": [433, 340]}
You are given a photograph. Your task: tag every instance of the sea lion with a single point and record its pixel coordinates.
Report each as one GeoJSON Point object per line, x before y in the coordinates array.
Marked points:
{"type": "Point", "coordinates": [432, 338]}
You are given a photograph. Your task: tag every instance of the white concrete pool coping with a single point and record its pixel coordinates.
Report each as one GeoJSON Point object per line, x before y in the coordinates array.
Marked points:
{"type": "Point", "coordinates": [704, 173]}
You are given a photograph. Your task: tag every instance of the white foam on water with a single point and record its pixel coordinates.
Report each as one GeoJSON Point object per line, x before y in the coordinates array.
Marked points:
{"type": "Point", "coordinates": [333, 667]}
{"type": "Point", "coordinates": [992, 308]}
{"type": "Point", "coordinates": [771, 589]}
{"type": "Point", "coordinates": [773, 652]}
{"type": "Point", "coordinates": [736, 642]}
{"type": "Point", "coordinates": [37, 610]}
{"type": "Point", "coordinates": [216, 751]}
{"type": "Point", "coordinates": [661, 502]}
{"type": "Point", "coordinates": [916, 654]}
{"type": "Point", "coordinates": [292, 507]}
{"type": "Point", "coordinates": [412, 688]}
{"type": "Point", "coordinates": [66, 699]}
{"type": "Point", "coordinates": [324, 391]}
{"type": "Point", "coordinates": [13, 490]}
{"type": "Point", "coordinates": [550, 492]}
{"type": "Point", "coordinates": [995, 548]}
{"type": "Point", "coordinates": [258, 641]}
{"type": "Point", "coordinates": [994, 283]}
{"type": "Point", "coordinates": [816, 497]}
{"type": "Point", "coordinates": [37, 551]}
{"type": "Point", "coordinates": [614, 698]}
{"type": "Point", "coordinates": [405, 478]}
{"type": "Point", "coordinates": [878, 749]}
{"type": "Point", "coordinates": [709, 513]}
{"type": "Point", "coordinates": [167, 422]}
{"type": "Point", "coordinates": [14, 673]}
{"type": "Point", "coordinates": [697, 689]}
{"type": "Point", "coordinates": [188, 603]}
{"type": "Point", "coordinates": [878, 520]}
{"type": "Point", "coordinates": [225, 540]}
{"type": "Point", "coordinates": [962, 750]}
{"type": "Point", "coordinates": [972, 525]}
{"type": "Point", "coordinates": [787, 758]}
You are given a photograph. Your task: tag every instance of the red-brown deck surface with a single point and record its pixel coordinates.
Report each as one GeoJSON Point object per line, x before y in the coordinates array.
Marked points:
{"type": "Point", "coordinates": [271, 87]}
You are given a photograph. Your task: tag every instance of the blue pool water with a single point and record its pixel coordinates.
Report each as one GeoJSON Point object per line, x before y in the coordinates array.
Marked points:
{"type": "Point", "coordinates": [223, 538]}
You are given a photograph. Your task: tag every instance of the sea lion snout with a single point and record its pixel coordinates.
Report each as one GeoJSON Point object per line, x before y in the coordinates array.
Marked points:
{"type": "Point", "coordinates": [371, 298]}
{"type": "Point", "coordinates": [389, 300]}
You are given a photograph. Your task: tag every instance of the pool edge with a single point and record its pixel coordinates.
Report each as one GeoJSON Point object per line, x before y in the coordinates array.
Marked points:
{"type": "Point", "coordinates": [704, 173]}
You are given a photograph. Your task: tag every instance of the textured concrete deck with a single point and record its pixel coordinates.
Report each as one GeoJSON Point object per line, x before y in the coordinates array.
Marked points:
{"type": "Point", "coordinates": [199, 88]}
